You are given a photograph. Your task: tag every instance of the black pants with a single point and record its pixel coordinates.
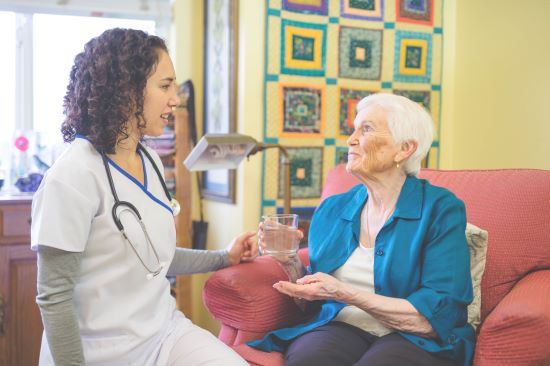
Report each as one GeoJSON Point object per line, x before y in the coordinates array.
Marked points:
{"type": "Point", "coordinates": [341, 344]}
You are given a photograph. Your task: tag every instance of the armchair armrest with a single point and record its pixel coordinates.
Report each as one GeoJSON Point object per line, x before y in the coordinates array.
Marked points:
{"type": "Point", "coordinates": [243, 297]}
{"type": "Point", "coordinates": [518, 329]}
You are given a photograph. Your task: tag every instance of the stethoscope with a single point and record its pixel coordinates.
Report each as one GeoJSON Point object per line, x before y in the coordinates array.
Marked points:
{"type": "Point", "coordinates": [126, 206]}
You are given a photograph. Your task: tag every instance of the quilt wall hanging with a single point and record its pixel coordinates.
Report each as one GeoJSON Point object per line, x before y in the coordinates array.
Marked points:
{"type": "Point", "coordinates": [321, 58]}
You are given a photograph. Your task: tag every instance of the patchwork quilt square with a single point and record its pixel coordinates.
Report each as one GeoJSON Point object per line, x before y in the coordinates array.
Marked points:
{"type": "Point", "coordinates": [360, 55]}
{"type": "Point", "coordinates": [305, 172]}
{"type": "Point", "coordinates": [415, 11]}
{"type": "Point", "coordinates": [306, 6]}
{"type": "Point", "coordinates": [302, 109]}
{"type": "Point", "coordinates": [362, 9]}
{"type": "Point", "coordinates": [413, 57]}
{"type": "Point", "coordinates": [420, 96]}
{"type": "Point", "coordinates": [303, 48]}
{"type": "Point", "coordinates": [347, 106]}
{"type": "Point", "coordinates": [341, 155]}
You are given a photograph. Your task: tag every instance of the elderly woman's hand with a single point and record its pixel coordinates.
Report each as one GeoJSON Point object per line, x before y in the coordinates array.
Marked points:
{"type": "Point", "coordinates": [243, 248]}
{"type": "Point", "coordinates": [318, 286]}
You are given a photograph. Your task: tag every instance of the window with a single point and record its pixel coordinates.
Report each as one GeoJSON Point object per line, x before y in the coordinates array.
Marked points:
{"type": "Point", "coordinates": [7, 75]}
{"type": "Point", "coordinates": [54, 47]}
{"type": "Point", "coordinates": [39, 42]}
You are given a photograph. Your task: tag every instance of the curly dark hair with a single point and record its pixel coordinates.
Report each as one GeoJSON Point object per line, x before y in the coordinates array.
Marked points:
{"type": "Point", "coordinates": [107, 84]}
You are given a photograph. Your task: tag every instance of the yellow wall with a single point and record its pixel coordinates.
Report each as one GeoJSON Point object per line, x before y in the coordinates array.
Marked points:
{"type": "Point", "coordinates": [496, 84]}
{"type": "Point", "coordinates": [226, 220]}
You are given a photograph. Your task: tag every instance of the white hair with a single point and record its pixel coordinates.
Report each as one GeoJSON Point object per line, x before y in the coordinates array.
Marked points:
{"type": "Point", "coordinates": [407, 120]}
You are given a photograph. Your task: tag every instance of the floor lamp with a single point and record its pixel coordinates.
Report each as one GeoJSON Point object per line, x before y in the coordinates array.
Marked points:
{"type": "Point", "coordinates": [227, 151]}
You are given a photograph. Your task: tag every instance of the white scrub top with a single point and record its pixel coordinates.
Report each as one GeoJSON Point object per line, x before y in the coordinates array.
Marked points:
{"type": "Point", "coordinates": [124, 318]}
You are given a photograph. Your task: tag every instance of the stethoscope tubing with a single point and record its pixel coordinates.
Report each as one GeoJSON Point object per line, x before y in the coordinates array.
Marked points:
{"type": "Point", "coordinates": [130, 207]}
{"type": "Point", "coordinates": [159, 175]}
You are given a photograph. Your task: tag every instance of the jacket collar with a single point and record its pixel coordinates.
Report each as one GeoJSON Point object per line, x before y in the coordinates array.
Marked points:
{"type": "Point", "coordinates": [354, 206]}
{"type": "Point", "coordinates": [409, 203]}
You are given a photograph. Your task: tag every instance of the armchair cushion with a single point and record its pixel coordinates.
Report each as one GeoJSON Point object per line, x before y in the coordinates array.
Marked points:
{"type": "Point", "coordinates": [243, 297]}
{"type": "Point", "coordinates": [517, 332]}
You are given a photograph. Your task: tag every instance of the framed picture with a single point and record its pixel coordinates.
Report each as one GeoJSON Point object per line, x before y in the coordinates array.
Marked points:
{"type": "Point", "coordinates": [220, 89]}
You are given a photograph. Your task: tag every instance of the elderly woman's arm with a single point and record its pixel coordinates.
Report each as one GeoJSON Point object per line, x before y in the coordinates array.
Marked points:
{"type": "Point", "coordinates": [395, 313]}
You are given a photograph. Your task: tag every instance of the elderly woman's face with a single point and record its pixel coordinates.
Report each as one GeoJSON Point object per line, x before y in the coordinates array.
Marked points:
{"type": "Point", "coordinates": [372, 148]}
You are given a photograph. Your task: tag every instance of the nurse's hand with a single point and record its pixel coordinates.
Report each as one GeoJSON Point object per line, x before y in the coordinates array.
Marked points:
{"type": "Point", "coordinates": [243, 248]}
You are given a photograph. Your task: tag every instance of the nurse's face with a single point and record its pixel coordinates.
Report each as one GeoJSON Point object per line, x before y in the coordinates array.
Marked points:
{"type": "Point", "coordinates": [372, 148]}
{"type": "Point", "coordinates": [160, 96]}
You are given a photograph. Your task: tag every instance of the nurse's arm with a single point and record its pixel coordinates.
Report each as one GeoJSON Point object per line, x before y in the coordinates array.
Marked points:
{"type": "Point", "coordinates": [190, 261]}
{"type": "Point", "coordinates": [58, 271]}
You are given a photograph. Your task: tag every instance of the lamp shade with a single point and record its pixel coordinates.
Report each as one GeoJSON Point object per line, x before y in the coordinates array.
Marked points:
{"type": "Point", "coordinates": [219, 151]}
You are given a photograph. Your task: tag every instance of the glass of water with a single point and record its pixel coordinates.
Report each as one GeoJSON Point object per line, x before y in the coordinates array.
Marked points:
{"type": "Point", "coordinates": [280, 235]}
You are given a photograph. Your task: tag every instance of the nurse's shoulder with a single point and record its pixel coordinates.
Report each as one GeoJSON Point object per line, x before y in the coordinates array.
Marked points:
{"type": "Point", "coordinates": [79, 167]}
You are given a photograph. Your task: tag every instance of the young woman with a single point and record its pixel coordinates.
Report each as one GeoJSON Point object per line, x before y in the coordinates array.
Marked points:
{"type": "Point", "coordinates": [103, 225]}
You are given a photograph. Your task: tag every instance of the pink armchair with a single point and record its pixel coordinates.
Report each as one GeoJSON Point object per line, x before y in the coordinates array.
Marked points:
{"type": "Point", "coordinates": [513, 205]}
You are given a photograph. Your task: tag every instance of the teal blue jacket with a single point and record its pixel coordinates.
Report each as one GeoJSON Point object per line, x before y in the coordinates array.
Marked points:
{"type": "Point", "coordinates": [421, 255]}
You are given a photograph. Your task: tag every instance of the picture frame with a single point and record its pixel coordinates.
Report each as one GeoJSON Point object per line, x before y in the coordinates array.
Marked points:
{"type": "Point", "coordinates": [220, 89]}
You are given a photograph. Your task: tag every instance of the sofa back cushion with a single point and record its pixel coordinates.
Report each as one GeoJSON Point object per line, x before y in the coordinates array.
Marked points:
{"type": "Point", "coordinates": [512, 205]}
{"type": "Point", "coordinates": [477, 243]}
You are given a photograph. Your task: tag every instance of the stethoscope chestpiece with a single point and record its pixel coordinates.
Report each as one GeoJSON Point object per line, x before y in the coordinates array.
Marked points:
{"type": "Point", "coordinates": [175, 206]}
{"type": "Point", "coordinates": [152, 275]}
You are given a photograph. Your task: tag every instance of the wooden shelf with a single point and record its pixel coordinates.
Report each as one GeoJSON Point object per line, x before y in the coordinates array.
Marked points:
{"type": "Point", "coordinates": [173, 147]}
{"type": "Point", "coordinates": [183, 195]}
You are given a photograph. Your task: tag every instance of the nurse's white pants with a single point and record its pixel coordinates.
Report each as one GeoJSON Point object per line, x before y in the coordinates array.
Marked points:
{"type": "Point", "coordinates": [181, 343]}
{"type": "Point", "coordinates": [197, 346]}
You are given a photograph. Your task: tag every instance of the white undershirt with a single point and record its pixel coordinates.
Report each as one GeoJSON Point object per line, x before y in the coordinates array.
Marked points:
{"type": "Point", "coordinates": [358, 271]}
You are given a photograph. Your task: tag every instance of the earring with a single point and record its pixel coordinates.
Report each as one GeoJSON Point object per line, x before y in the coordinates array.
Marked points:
{"type": "Point", "coordinates": [397, 165]}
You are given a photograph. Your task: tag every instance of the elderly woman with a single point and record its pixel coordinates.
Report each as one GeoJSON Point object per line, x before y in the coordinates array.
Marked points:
{"type": "Point", "coordinates": [389, 258]}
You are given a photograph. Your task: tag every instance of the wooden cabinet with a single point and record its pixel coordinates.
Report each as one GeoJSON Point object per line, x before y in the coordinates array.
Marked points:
{"type": "Point", "coordinates": [20, 322]}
